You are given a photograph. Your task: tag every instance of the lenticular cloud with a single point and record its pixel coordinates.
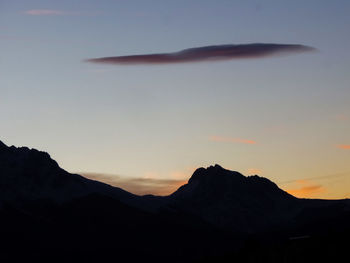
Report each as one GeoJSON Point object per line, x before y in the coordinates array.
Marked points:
{"type": "Point", "coordinates": [207, 53]}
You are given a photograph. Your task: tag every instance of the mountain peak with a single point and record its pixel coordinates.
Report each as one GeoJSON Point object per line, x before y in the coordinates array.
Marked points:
{"type": "Point", "coordinates": [213, 172]}
{"type": "Point", "coordinates": [220, 196]}
{"type": "Point", "coordinates": [216, 183]}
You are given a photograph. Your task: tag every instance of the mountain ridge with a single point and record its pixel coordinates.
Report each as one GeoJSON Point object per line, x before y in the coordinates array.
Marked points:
{"type": "Point", "coordinates": [29, 174]}
{"type": "Point", "coordinates": [214, 214]}
{"type": "Point", "coordinates": [25, 154]}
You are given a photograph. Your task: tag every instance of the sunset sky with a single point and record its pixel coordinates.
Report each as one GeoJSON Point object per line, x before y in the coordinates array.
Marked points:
{"type": "Point", "coordinates": [147, 126]}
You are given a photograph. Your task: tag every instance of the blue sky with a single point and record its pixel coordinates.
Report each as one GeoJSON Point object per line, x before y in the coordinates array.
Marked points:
{"type": "Point", "coordinates": [158, 121]}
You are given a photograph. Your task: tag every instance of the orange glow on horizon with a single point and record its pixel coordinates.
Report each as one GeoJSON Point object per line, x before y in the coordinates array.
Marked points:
{"type": "Point", "coordinates": [304, 189]}
{"type": "Point", "coordinates": [307, 191]}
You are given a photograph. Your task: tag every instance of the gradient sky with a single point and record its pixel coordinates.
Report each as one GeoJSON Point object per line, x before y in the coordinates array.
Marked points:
{"type": "Point", "coordinates": [286, 118]}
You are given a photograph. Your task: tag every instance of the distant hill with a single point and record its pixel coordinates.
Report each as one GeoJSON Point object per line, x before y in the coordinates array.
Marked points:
{"type": "Point", "coordinates": [218, 215]}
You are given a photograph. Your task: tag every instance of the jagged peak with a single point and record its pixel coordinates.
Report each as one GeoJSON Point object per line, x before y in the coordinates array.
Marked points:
{"type": "Point", "coordinates": [31, 155]}
{"type": "Point", "coordinates": [212, 171]}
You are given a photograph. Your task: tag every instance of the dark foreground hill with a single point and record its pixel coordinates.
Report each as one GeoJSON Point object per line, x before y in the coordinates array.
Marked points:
{"type": "Point", "coordinates": [50, 215]}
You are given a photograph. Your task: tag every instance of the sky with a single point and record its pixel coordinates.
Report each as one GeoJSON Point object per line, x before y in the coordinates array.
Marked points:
{"type": "Point", "coordinates": [148, 126]}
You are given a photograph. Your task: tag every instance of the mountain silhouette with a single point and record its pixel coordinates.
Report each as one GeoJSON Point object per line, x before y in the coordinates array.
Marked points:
{"type": "Point", "coordinates": [29, 175]}
{"type": "Point", "coordinates": [49, 214]}
{"type": "Point", "coordinates": [229, 199]}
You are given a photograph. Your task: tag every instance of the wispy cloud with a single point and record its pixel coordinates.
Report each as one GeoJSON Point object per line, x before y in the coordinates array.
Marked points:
{"type": "Point", "coordinates": [344, 146]}
{"type": "Point", "coordinates": [306, 189]}
{"type": "Point", "coordinates": [11, 37]}
{"type": "Point", "coordinates": [322, 177]}
{"type": "Point", "coordinates": [207, 53]}
{"type": "Point", "coordinates": [54, 12]}
{"type": "Point", "coordinates": [46, 12]}
{"type": "Point", "coordinates": [341, 117]}
{"type": "Point", "coordinates": [216, 138]}
{"type": "Point", "coordinates": [139, 185]}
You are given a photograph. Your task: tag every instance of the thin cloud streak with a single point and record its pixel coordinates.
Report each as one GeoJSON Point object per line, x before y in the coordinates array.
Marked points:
{"type": "Point", "coordinates": [207, 53]}
{"type": "Point", "coordinates": [53, 12]}
{"type": "Point", "coordinates": [330, 176]}
{"type": "Point", "coordinates": [344, 146]}
{"type": "Point", "coordinates": [139, 185]}
{"type": "Point", "coordinates": [304, 188]}
{"type": "Point", "coordinates": [309, 187]}
{"type": "Point", "coordinates": [215, 138]}
{"type": "Point", "coordinates": [10, 37]}
{"type": "Point", "coordinates": [341, 117]}
{"type": "Point", "coordinates": [46, 12]}
{"type": "Point", "coordinates": [307, 191]}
